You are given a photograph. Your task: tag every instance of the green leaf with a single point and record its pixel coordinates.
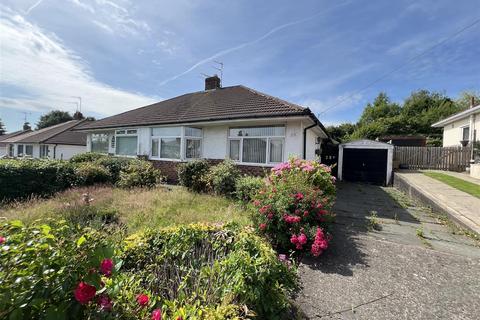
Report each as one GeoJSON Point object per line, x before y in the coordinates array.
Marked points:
{"type": "Point", "coordinates": [17, 223]}
{"type": "Point", "coordinates": [81, 240]}
{"type": "Point", "coordinates": [16, 314]}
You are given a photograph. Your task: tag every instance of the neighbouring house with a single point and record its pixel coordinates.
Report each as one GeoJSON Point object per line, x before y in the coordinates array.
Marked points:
{"type": "Point", "coordinates": [405, 141]}
{"type": "Point", "coordinates": [54, 142]}
{"type": "Point", "coordinates": [461, 127]}
{"type": "Point", "coordinates": [4, 145]}
{"type": "Point", "coordinates": [254, 129]}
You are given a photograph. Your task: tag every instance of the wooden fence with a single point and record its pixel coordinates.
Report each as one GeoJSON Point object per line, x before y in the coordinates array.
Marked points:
{"type": "Point", "coordinates": [437, 158]}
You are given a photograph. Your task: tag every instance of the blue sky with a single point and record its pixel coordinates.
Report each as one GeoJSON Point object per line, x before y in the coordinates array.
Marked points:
{"type": "Point", "coordinates": [122, 54]}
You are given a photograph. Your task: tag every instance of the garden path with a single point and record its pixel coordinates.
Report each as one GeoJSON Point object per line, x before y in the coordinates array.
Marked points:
{"type": "Point", "coordinates": [405, 263]}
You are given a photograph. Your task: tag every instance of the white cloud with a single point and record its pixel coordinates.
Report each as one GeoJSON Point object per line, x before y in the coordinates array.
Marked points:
{"type": "Point", "coordinates": [47, 73]}
{"type": "Point", "coordinates": [36, 4]}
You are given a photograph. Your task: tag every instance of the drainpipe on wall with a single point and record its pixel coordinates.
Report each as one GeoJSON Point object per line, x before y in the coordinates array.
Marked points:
{"type": "Point", "coordinates": [472, 131]}
{"type": "Point", "coordinates": [305, 140]}
{"type": "Point", "coordinates": [54, 151]}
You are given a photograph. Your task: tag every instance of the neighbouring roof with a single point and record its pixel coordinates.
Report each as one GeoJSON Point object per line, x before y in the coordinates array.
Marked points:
{"type": "Point", "coordinates": [400, 137]}
{"type": "Point", "coordinates": [365, 143]}
{"type": "Point", "coordinates": [229, 103]}
{"type": "Point", "coordinates": [10, 135]}
{"type": "Point", "coordinates": [457, 116]}
{"type": "Point", "coordinates": [58, 134]}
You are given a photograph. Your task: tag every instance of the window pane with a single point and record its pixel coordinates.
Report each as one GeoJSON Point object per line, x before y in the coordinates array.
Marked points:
{"type": "Point", "coordinates": [193, 132]}
{"type": "Point", "coordinates": [167, 132]}
{"type": "Point", "coordinates": [44, 151]}
{"type": "Point", "coordinates": [20, 150]}
{"type": "Point", "coordinates": [99, 142]}
{"type": "Point", "coordinates": [131, 131]}
{"type": "Point", "coordinates": [126, 146]}
{"type": "Point", "coordinates": [120, 131]}
{"type": "Point", "coordinates": [235, 150]}
{"type": "Point", "coordinates": [193, 148]}
{"type": "Point", "coordinates": [257, 131]}
{"type": "Point", "coordinates": [254, 150]}
{"type": "Point", "coordinates": [170, 148]}
{"type": "Point", "coordinates": [466, 133]}
{"type": "Point", "coordinates": [155, 148]}
{"type": "Point", "coordinates": [29, 150]}
{"type": "Point", "coordinates": [276, 150]}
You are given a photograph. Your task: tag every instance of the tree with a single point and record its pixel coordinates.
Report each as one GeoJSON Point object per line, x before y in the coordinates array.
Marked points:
{"type": "Point", "coordinates": [342, 132]}
{"type": "Point", "coordinates": [2, 128]}
{"type": "Point", "coordinates": [52, 118]}
{"type": "Point", "coordinates": [381, 108]}
{"type": "Point", "coordinates": [464, 99]}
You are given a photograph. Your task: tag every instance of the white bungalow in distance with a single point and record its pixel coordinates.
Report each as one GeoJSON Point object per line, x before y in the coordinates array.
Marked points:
{"type": "Point", "coordinates": [254, 129]}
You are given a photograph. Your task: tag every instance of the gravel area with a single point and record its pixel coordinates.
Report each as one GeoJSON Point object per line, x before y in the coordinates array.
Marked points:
{"type": "Point", "coordinates": [391, 259]}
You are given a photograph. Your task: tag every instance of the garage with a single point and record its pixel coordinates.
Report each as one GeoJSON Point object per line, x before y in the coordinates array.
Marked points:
{"type": "Point", "coordinates": [365, 161]}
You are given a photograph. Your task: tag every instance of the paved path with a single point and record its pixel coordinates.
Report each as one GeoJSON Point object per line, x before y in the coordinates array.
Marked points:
{"type": "Point", "coordinates": [462, 207]}
{"type": "Point", "coordinates": [415, 266]}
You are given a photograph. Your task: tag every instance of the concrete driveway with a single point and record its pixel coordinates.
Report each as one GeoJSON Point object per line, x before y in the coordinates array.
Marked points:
{"type": "Point", "coordinates": [391, 259]}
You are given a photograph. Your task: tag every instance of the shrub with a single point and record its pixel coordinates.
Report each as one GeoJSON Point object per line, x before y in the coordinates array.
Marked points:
{"type": "Point", "coordinates": [114, 165]}
{"type": "Point", "coordinates": [87, 157]}
{"type": "Point", "coordinates": [222, 178]}
{"type": "Point", "coordinates": [139, 173]}
{"type": "Point", "coordinates": [91, 173]}
{"type": "Point", "coordinates": [42, 264]}
{"type": "Point", "coordinates": [20, 179]}
{"type": "Point", "coordinates": [193, 175]}
{"type": "Point", "coordinates": [247, 187]}
{"type": "Point", "coordinates": [293, 209]}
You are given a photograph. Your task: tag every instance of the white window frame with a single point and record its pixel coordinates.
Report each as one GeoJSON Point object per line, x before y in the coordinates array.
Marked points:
{"type": "Point", "coordinates": [268, 138]}
{"type": "Point", "coordinates": [108, 141]}
{"type": "Point", "coordinates": [461, 132]}
{"type": "Point", "coordinates": [24, 150]}
{"type": "Point", "coordinates": [44, 156]}
{"type": "Point", "coordinates": [183, 143]}
{"type": "Point", "coordinates": [124, 133]}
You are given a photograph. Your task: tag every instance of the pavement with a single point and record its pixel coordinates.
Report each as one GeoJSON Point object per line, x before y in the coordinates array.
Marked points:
{"type": "Point", "coordinates": [391, 258]}
{"type": "Point", "coordinates": [462, 207]}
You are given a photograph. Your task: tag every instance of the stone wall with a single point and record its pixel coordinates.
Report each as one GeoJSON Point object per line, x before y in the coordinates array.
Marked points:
{"type": "Point", "coordinates": [169, 169]}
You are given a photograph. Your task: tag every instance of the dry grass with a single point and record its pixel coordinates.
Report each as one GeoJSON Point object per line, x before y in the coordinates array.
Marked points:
{"type": "Point", "coordinates": [136, 208]}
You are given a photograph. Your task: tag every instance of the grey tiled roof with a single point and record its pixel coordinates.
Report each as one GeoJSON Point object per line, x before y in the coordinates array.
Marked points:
{"type": "Point", "coordinates": [236, 102]}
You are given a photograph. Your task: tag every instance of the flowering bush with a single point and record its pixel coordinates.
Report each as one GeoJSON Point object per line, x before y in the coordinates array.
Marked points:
{"type": "Point", "coordinates": [293, 210]}
{"type": "Point", "coordinates": [194, 272]}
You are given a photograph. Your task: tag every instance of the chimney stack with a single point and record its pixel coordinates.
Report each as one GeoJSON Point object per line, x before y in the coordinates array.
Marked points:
{"type": "Point", "coordinates": [472, 102]}
{"type": "Point", "coordinates": [212, 83]}
{"type": "Point", "coordinates": [26, 126]}
{"type": "Point", "coordinates": [78, 115]}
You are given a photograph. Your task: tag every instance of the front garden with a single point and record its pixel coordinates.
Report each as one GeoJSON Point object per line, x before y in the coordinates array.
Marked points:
{"type": "Point", "coordinates": [99, 237]}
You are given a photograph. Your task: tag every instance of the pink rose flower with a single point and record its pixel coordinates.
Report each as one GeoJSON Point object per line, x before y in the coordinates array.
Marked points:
{"type": "Point", "coordinates": [106, 267]}
{"type": "Point", "coordinates": [156, 314]}
{"type": "Point", "coordinates": [142, 299]}
{"type": "Point", "coordinates": [84, 292]}
{"type": "Point", "coordinates": [104, 302]}
{"type": "Point", "coordinates": [3, 240]}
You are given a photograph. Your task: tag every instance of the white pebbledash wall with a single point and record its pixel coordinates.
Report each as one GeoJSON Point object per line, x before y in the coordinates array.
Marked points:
{"type": "Point", "coordinates": [215, 139]}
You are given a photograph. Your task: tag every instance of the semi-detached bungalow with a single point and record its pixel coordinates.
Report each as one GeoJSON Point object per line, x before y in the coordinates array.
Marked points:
{"type": "Point", "coordinates": [54, 142]}
{"type": "Point", "coordinates": [252, 128]}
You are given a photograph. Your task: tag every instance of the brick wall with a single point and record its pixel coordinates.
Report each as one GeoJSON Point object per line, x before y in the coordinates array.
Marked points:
{"type": "Point", "coordinates": [169, 169]}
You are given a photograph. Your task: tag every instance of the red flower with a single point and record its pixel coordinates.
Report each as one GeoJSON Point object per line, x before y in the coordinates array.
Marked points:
{"type": "Point", "coordinates": [84, 292]}
{"type": "Point", "coordinates": [256, 203]}
{"type": "Point", "coordinates": [3, 240]}
{"type": "Point", "coordinates": [305, 213]}
{"type": "Point", "coordinates": [298, 196]}
{"type": "Point", "coordinates": [104, 302]}
{"type": "Point", "coordinates": [270, 216]}
{"type": "Point", "coordinates": [156, 314]}
{"type": "Point", "coordinates": [302, 239]}
{"type": "Point", "coordinates": [294, 239]}
{"type": "Point", "coordinates": [106, 267]}
{"type": "Point", "coordinates": [179, 318]}
{"type": "Point", "coordinates": [291, 219]}
{"type": "Point", "coordinates": [263, 226]}
{"type": "Point", "coordinates": [142, 299]}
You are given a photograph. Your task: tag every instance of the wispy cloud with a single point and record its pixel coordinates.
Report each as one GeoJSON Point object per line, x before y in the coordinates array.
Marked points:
{"type": "Point", "coordinates": [249, 43]}
{"type": "Point", "coordinates": [36, 4]}
{"type": "Point", "coordinates": [47, 73]}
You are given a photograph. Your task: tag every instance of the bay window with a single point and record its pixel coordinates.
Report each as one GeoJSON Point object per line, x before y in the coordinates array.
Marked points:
{"type": "Point", "coordinates": [99, 143]}
{"type": "Point", "coordinates": [257, 144]}
{"type": "Point", "coordinates": [125, 142]}
{"type": "Point", "coordinates": [176, 143]}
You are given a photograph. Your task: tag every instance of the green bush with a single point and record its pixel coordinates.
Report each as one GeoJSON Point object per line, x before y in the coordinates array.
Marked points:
{"type": "Point", "coordinates": [87, 157]}
{"type": "Point", "coordinates": [20, 179]}
{"type": "Point", "coordinates": [88, 173]}
{"type": "Point", "coordinates": [42, 264]}
{"type": "Point", "coordinates": [246, 187]}
{"type": "Point", "coordinates": [114, 165]}
{"type": "Point", "coordinates": [139, 173]}
{"type": "Point", "coordinates": [193, 272]}
{"type": "Point", "coordinates": [222, 178]}
{"type": "Point", "coordinates": [193, 175]}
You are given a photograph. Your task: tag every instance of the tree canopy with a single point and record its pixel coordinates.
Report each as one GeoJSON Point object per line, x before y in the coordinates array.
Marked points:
{"type": "Point", "coordinates": [52, 118]}
{"type": "Point", "coordinates": [414, 117]}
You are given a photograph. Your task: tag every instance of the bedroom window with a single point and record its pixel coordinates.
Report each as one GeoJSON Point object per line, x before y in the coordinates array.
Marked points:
{"type": "Point", "coordinates": [99, 142]}
{"type": "Point", "coordinates": [125, 142]}
{"type": "Point", "coordinates": [257, 144]}
{"type": "Point", "coordinates": [44, 151]}
{"type": "Point", "coordinates": [20, 150]}
{"type": "Point", "coordinates": [167, 142]}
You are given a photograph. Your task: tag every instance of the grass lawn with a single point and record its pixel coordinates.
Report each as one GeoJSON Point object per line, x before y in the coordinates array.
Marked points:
{"type": "Point", "coordinates": [135, 208]}
{"type": "Point", "coordinates": [457, 183]}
